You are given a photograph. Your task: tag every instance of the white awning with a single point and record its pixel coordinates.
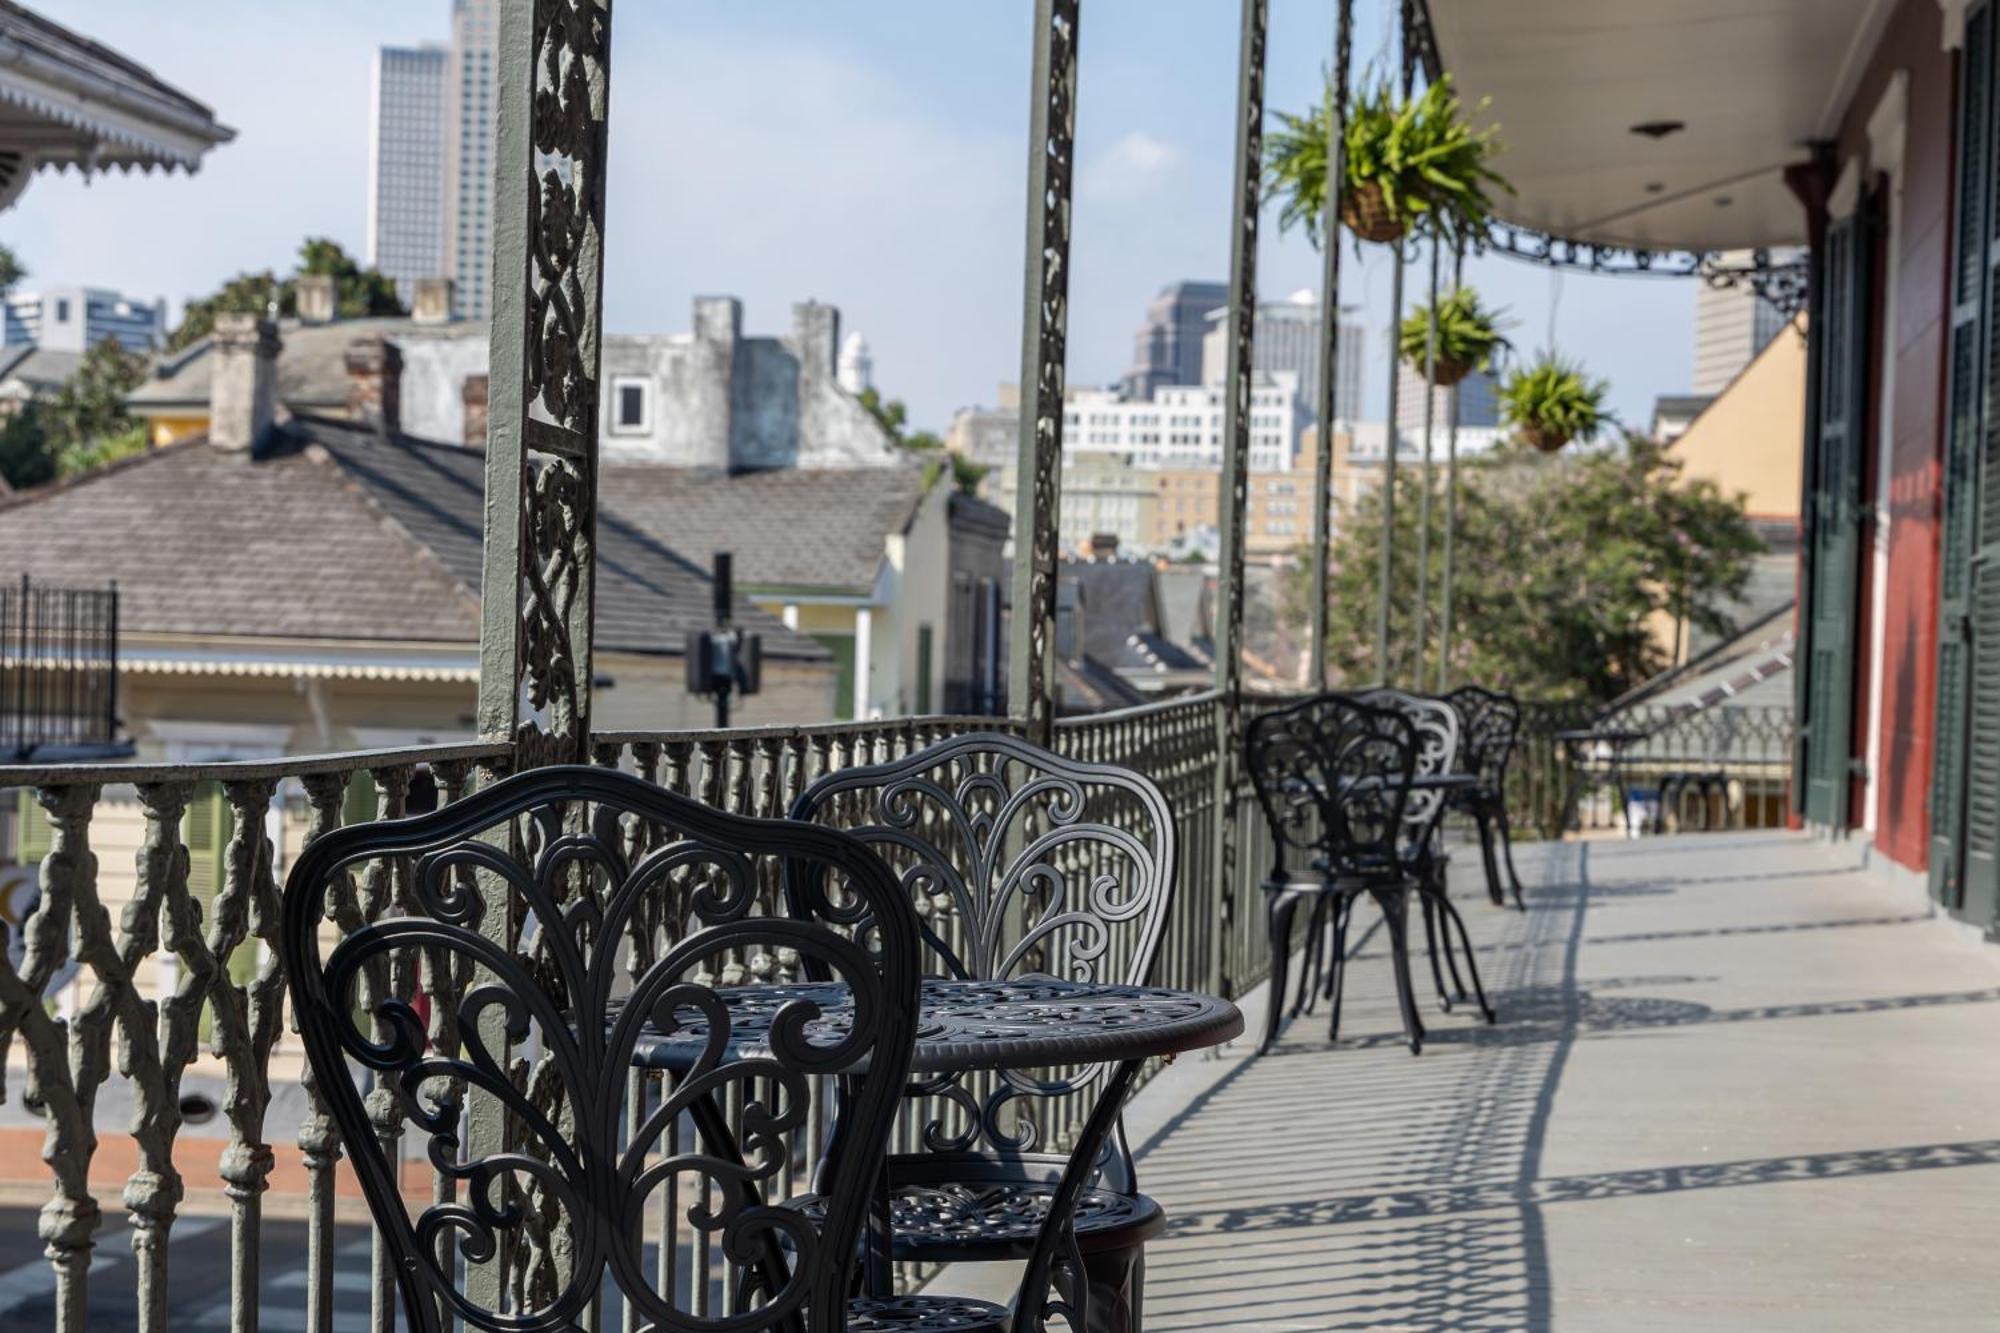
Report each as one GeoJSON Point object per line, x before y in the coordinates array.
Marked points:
{"type": "Point", "coordinates": [1751, 84]}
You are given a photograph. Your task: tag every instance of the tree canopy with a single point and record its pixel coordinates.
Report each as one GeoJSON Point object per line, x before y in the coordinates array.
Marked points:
{"type": "Point", "coordinates": [1561, 567]}
{"type": "Point", "coordinates": [358, 292]}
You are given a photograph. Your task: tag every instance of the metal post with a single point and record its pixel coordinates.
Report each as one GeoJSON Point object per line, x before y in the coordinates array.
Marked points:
{"type": "Point", "coordinates": [1247, 187]}
{"type": "Point", "coordinates": [1044, 353]}
{"type": "Point", "coordinates": [1424, 500]}
{"type": "Point", "coordinates": [1329, 343]}
{"type": "Point", "coordinates": [541, 456]}
{"type": "Point", "coordinates": [1383, 675]}
{"type": "Point", "coordinates": [1450, 509]}
{"type": "Point", "coordinates": [553, 86]}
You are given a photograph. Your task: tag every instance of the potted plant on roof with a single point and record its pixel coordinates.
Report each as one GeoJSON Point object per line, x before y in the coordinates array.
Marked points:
{"type": "Point", "coordinates": [1553, 402]}
{"type": "Point", "coordinates": [1408, 160]}
{"type": "Point", "coordinates": [1468, 337]}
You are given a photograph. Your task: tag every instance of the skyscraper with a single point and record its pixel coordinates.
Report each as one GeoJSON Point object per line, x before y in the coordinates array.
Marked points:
{"type": "Point", "coordinates": [1287, 342]}
{"type": "Point", "coordinates": [406, 165]}
{"type": "Point", "coordinates": [1731, 325]}
{"type": "Point", "coordinates": [1478, 404]}
{"type": "Point", "coordinates": [1167, 348]}
{"type": "Point", "coordinates": [469, 109]}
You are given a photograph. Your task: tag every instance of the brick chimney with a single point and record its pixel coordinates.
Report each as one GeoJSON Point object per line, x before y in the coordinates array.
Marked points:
{"type": "Point", "coordinates": [430, 303]}
{"type": "Point", "coordinates": [375, 383]}
{"type": "Point", "coordinates": [815, 339]}
{"type": "Point", "coordinates": [243, 393]}
{"type": "Point", "coordinates": [476, 390]}
{"type": "Point", "coordinates": [316, 298]}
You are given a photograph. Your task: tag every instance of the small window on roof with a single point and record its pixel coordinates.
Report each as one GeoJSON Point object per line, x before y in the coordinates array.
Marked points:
{"type": "Point", "coordinates": [631, 405]}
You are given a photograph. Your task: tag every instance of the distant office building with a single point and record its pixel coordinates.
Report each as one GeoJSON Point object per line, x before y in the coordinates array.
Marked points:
{"type": "Point", "coordinates": [469, 109]}
{"type": "Point", "coordinates": [1731, 325]}
{"type": "Point", "coordinates": [406, 159]}
{"type": "Point", "coordinates": [1478, 403]}
{"type": "Point", "coordinates": [990, 436]}
{"type": "Point", "coordinates": [1167, 349]}
{"type": "Point", "coordinates": [1287, 342]}
{"type": "Point", "coordinates": [75, 319]}
{"type": "Point", "coordinates": [1180, 426]}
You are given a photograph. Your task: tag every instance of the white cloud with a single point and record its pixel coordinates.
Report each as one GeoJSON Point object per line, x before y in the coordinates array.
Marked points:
{"type": "Point", "coordinates": [1136, 165]}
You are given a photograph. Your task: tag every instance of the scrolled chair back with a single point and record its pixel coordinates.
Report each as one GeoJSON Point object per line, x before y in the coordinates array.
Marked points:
{"type": "Point", "coordinates": [551, 924]}
{"type": "Point", "coordinates": [1491, 724]}
{"type": "Point", "coordinates": [1331, 774]}
{"type": "Point", "coordinates": [1020, 863]}
{"type": "Point", "coordinates": [1436, 725]}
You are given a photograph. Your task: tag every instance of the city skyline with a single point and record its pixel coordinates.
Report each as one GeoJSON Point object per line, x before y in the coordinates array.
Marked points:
{"type": "Point", "coordinates": [889, 111]}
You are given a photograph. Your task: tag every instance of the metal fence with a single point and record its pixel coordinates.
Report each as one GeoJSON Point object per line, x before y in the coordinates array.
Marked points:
{"type": "Point", "coordinates": [58, 669]}
{"type": "Point", "coordinates": [150, 938]}
{"type": "Point", "coordinates": [1723, 767]}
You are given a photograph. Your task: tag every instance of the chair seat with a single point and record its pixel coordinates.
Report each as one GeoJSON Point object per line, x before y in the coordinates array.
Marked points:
{"type": "Point", "coordinates": [981, 1211]}
{"type": "Point", "coordinates": [927, 1314]}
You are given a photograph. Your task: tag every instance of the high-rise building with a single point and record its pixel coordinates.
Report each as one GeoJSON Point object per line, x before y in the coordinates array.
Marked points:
{"type": "Point", "coordinates": [1167, 348]}
{"type": "Point", "coordinates": [1181, 425]}
{"type": "Point", "coordinates": [1478, 404]}
{"type": "Point", "coordinates": [1731, 325]}
{"type": "Point", "coordinates": [75, 319]}
{"type": "Point", "coordinates": [469, 109]}
{"type": "Point", "coordinates": [406, 165]}
{"type": "Point", "coordinates": [1287, 342]}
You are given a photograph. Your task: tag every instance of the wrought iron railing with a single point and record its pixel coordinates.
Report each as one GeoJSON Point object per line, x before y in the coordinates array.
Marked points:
{"type": "Point", "coordinates": [1722, 767]}
{"type": "Point", "coordinates": [58, 669]}
{"type": "Point", "coordinates": [150, 932]}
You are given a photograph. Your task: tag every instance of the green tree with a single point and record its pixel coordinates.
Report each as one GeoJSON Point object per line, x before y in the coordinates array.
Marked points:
{"type": "Point", "coordinates": [1562, 565]}
{"type": "Point", "coordinates": [895, 419]}
{"type": "Point", "coordinates": [25, 457]}
{"type": "Point", "coordinates": [87, 422]}
{"type": "Point", "coordinates": [12, 270]}
{"type": "Point", "coordinates": [358, 292]}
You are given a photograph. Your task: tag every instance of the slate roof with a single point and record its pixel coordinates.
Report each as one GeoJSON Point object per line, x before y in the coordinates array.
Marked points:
{"type": "Point", "coordinates": [789, 529]}
{"type": "Point", "coordinates": [312, 365]}
{"type": "Point", "coordinates": [333, 533]}
{"type": "Point", "coordinates": [1121, 618]}
{"type": "Point", "coordinates": [38, 370]}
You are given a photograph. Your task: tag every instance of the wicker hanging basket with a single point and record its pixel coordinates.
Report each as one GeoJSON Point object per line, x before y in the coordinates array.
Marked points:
{"type": "Point", "coordinates": [1444, 374]}
{"type": "Point", "coordinates": [1545, 438]}
{"type": "Point", "coordinates": [1367, 214]}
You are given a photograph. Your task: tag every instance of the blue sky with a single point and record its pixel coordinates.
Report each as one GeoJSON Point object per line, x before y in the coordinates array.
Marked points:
{"type": "Point", "coordinates": [864, 152]}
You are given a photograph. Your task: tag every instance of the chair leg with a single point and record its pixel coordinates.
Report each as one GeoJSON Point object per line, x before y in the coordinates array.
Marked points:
{"type": "Point", "coordinates": [1314, 961]}
{"type": "Point", "coordinates": [1431, 952]}
{"type": "Point", "coordinates": [1395, 904]}
{"type": "Point", "coordinates": [1489, 858]}
{"type": "Point", "coordinates": [1471, 962]}
{"type": "Point", "coordinates": [1117, 1281]}
{"type": "Point", "coordinates": [1507, 846]}
{"type": "Point", "coordinates": [1337, 973]}
{"type": "Point", "coordinates": [1278, 912]}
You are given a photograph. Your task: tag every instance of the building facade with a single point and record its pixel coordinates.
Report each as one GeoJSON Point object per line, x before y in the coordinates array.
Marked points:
{"type": "Point", "coordinates": [406, 164]}
{"type": "Point", "coordinates": [1287, 343]}
{"type": "Point", "coordinates": [1181, 426]}
{"type": "Point", "coordinates": [1478, 402]}
{"type": "Point", "coordinates": [1167, 348]}
{"type": "Point", "coordinates": [468, 153]}
{"type": "Point", "coordinates": [75, 319]}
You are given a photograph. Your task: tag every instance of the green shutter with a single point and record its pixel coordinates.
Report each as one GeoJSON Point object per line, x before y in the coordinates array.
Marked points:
{"type": "Point", "coordinates": [923, 671]}
{"type": "Point", "coordinates": [33, 838]}
{"type": "Point", "coordinates": [206, 829]}
{"type": "Point", "coordinates": [1950, 809]}
{"type": "Point", "coordinates": [359, 806]}
{"type": "Point", "coordinates": [1842, 339]}
{"type": "Point", "coordinates": [842, 648]}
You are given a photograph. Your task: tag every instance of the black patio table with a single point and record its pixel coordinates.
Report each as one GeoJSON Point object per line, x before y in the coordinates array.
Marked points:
{"type": "Point", "coordinates": [1613, 739]}
{"type": "Point", "coordinates": [1030, 1022]}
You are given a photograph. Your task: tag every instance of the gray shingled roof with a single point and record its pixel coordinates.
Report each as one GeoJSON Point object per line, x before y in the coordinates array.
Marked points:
{"type": "Point", "coordinates": [40, 370]}
{"type": "Point", "coordinates": [337, 533]}
{"type": "Point", "coordinates": [788, 529]}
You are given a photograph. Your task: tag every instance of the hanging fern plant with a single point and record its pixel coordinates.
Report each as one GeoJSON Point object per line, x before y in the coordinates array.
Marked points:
{"type": "Point", "coordinates": [1408, 161]}
{"type": "Point", "coordinates": [1468, 337]}
{"type": "Point", "coordinates": [1553, 402]}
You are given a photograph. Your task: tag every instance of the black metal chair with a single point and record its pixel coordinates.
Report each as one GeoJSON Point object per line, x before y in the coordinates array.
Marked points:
{"type": "Point", "coordinates": [517, 1076]}
{"type": "Point", "coordinates": [1440, 754]}
{"type": "Point", "coordinates": [1491, 723]}
{"type": "Point", "coordinates": [1020, 862]}
{"type": "Point", "coordinates": [1332, 775]}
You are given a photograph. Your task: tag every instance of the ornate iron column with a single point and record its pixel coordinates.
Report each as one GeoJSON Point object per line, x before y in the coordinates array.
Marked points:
{"type": "Point", "coordinates": [554, 83]}
{"type": "Point", "coordinates": [1248, 193]}
{"type": "Point", "coordinates": [1383, 616]}
{"type": "Point", "coordinates": [1044, 353]}
{"type": "Point", "coordinates": [1329, 344]}
{"type": "Point", "coordinates": [1424, 496]}
{"type": "Point", "coordinates": [1450, 513]}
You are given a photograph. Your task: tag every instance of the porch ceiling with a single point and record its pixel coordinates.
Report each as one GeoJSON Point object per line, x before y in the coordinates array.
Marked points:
{"type": "Point", "coordinates": [1754, 81]}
